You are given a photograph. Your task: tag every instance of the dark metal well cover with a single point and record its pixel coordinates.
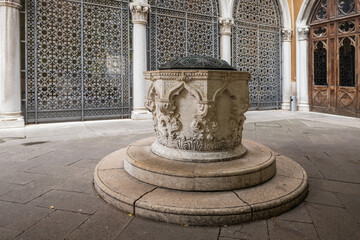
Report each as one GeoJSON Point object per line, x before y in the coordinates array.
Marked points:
{"type": "Point", "coordinates": [197, 62]}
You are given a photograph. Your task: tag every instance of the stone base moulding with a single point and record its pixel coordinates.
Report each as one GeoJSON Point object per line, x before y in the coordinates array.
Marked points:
{"type": "Point", "coordinates": [256, 167]}
{"type": "Point", "coordinates": [282, 192]}
{"type": "Point", "coordinates": [11, 121]}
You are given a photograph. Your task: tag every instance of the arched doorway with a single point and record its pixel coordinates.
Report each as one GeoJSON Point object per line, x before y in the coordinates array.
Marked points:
{"type": "Point", "coordinates": [179, 28]}
{"type": "Point", "coordinates": [256, 49]}
{"type": "Point", "coordinates": [77, 61]}
{"type": "Point", "coordinates": [334, 57]}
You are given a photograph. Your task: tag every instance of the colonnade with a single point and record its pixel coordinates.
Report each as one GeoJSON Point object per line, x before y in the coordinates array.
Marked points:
{"type": "Point", "coordinates": [10, 100]}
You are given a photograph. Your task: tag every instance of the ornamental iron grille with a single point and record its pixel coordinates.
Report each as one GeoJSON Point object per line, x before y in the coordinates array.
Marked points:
{"type": "Point", "coordinates": [78, 60]}
{"type": "Point", "coordinates": [334, 48]}
{"type": "Point", "coordinates": [179, 28]}
{"type": "Point", "coordinates": [256, 49]}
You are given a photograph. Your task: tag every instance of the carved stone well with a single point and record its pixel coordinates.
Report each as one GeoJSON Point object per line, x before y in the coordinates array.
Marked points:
{"type": "Point", "coordinates": [198, 170]}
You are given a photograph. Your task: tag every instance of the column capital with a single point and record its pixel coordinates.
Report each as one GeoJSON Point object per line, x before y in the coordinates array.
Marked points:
{"type": "Point", "coordinates": [303, 33]}
{"type": "Point", "coordinates": [226, 25]}
{"type": "Point", "coordinates": [286, 34]}
{"type": "Point", "coordinates": [139, 12]}
{"type": "Point", "coordinates": [11, 3]}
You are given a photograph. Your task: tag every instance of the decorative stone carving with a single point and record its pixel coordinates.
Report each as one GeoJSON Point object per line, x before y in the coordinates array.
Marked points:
{"type": "Point", "coordinates": [286, 35]}
{"type": "Point", "coordinates": [11, 3]}
{"type": "Point", "coordinates": [226, 26]}
{"type": "Point", "coordinates": [198, 110]}
{"type": "Point", "coordinates": [303, 33]}
{"type": "Point", "coordinates": [139, 12]}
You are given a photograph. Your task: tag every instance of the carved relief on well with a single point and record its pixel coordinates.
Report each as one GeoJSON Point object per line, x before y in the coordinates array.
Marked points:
{"type": "Point", "coordinates": [198, 110]}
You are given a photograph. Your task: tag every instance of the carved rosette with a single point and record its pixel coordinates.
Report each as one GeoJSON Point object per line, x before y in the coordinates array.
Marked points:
{"type": "Point", "coordinates": [11, 3]}
{"type": "Point", "coordinates": [139, 12]}
{"type": "Point", "coordinates": [198, 110]}
{"type": "Point", "coordinates": [303, 33]}
{"type": "Point", "coordinates": [286, 35]}
{"type": "Point", "coordinates": [226, 26]}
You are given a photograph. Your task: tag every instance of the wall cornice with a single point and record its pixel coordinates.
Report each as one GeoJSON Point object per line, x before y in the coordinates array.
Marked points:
{"type": "Point", "coordinates": [11, 3]}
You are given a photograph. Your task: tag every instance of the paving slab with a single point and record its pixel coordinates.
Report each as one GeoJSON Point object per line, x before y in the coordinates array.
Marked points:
{"type": "Point", "coordinates": [334, 186]}
{"type": "Point", "coordinates": [69, 201]}
{"type": "Point", "coordinates": [32, 190]}
{"type": "Point", "coordinates": [141, 228]}
{"type": "Point", "coordinates": [57, 225]}
{"type": "Point", "coordinates": [285, 230]}
{"type": "Point", "coordinates": [7, 234]}
{"type": "Point", "coordinates": [107, 223]}
{"type": "Point", "coordinates": [333, 223]}
{"type": "Point", "coordinates": [352, 204]}
{"type": "Point", "coordinates": [19, 216]}
{"type": "Point", "coordinates": [323, 197]}
{"type": "Point", "coordinates": [252, 231]}
{"type": "Point", "coordinates": [298, 214]}
{"type": "Point", "coordinates": [18, 177]}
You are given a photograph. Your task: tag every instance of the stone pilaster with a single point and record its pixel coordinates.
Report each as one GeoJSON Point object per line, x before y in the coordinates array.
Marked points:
{"type": "Point", "coordinates": [302, 68]}
{"type": "Point", "coordinates": [286, 66]}
{"type": "Point", "coordinates": [225, 38]}
{"type": "Point", "coordinates": [139, 13]}
{"type": "Point", "coordinates": [10, 81]}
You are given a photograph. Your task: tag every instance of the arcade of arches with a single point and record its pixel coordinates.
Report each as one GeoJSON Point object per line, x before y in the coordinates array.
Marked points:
{"type": "Point", "coordinates": [83, 59]}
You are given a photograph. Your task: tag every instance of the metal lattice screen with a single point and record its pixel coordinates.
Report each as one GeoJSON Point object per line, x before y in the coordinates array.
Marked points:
{"type": "Point", "coordinates": [179, 28]}
{"type": "Point", "coordinates": [78, 60]}
{"type": "Point", "coordinates": [256, 49]}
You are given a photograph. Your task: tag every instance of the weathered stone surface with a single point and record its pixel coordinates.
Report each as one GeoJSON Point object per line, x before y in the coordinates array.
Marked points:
{"type": "Point", "coordinates": [326, 220]}
{"type": "Point", "coordinates": [70, 201]}
{"type": "Point", "coordinates": [48, 228]}
{"type": "Point", "coordinates": [257, 166]}
{"type": "Point", "coordinates": [107, 223]}
{"type": "Point", "coordinates": [197, 110]}
{"type": "Point", "coordinates": [141, 228]}
{"type": "Point", "coordinates": [271, 198]}
{"type": "Point", "coordinates": [252, 231]}
{"type": "Point", "coordinates": [284, 230]}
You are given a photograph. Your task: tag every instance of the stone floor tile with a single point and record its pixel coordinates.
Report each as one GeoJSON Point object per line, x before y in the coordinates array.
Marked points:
{"type": "Point", "coordinates": [30, 191]}
{"type": "Point", "coordinates": [298, 214]}
{"type": "Point", "coordinates": [107, 223]}
{"type": "Point", "coordinates": [334, 186]}
{"type": "Point", "coordinates": [23, 153]}
{"type": "Point", "coordinates": [7, 187]}
{"type": "Point", "coordinates": [19, 216]}
{"type": "Point", "coordinates": [141, 228]}
{"type": "Point", "coordinates": [57, 170]}
{"type": "Point", "coordinates": [7, 234]}
{"type": "Point", "coordinates": [69, 201]}
{"type": "Point", "coordinates": [323, 197]}
{"type": "Point", "coordinates": [352, 204]}
{"type": "Point", "coordinates": [253, 230]}
{"type": "Point", "coordinates": [19, 177]}
{"type": "Point", "coordinates": [86, 163]}
{"type": "Point", "coordinates": [285, 230]}
{"type": "Point", "coordinates": [57, 225]}
{"type": "Point", "coordinates": [333, 223]}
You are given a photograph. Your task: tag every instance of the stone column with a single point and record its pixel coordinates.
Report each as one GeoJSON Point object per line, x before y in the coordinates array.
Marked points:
{"type": "Point", "coordinates": [302, 68]}
{"type": "Point", "coordinates": [10, 82]}
{"type": "Point", "coordinates": [286, 66]}
{"type": "Point", "coordinates": [139, 12]}
{"type": "Point", "coordinates": [225, 38]}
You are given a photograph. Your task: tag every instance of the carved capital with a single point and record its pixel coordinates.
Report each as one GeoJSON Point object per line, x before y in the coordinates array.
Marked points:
{"type": "Point", "coordinates": [11, 3]}
{"type": "Point", "coordinates": [226, 25]}
{"type": "Point", "coordinates": [286, 35]}
{"type": "Point", "coordinates": [139, 12]}
{"type": "Point", "coordinates": [303, 33]}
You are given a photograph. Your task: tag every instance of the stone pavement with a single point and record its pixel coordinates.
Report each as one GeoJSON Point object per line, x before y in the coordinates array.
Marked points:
{"type": "Point", "coordinates": [46, 189]}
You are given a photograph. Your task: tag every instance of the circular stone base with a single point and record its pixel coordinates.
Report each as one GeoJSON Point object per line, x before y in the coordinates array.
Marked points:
{"type": "Point", "coordinates": [256, 167]}
{"type": "Point", "coordinates": [281, 193]}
